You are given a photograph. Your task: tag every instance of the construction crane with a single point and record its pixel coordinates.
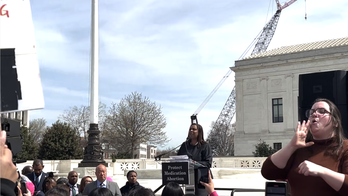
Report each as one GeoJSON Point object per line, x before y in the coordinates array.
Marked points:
{"type": "Point", "coordinates": [269, 30]}
{"type": "Point", "coordinates": [263, 40]}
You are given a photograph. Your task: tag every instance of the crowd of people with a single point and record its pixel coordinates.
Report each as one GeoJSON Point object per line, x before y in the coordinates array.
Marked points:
{"type": "Point", "coordinates": [314, 162]}
{"type": "Point", "coordinates": [39, 183]}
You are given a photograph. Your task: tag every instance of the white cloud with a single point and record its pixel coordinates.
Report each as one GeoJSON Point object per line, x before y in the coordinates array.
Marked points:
{"type": "Point", "coordinates": [66, 91]}
{"type": "Point", "coordinates": [55, 52]}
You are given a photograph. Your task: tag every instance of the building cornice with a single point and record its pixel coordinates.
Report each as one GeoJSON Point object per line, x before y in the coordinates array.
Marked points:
{"type": "Point", "coordinates": [286, 59]}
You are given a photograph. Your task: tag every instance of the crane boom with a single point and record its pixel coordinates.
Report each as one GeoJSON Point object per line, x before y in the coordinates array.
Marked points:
{"type": "Point", "coordinates": [270, 28]}
{"type": "Point", "coordinates": [286, 4]}
{"type": "Point", "coordinates": [229, 109]}
{"type": "Point", "coordinates": [267, 34]}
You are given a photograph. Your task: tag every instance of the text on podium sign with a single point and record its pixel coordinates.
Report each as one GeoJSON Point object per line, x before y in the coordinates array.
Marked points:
{"type": "Point", "coordinates": [175, 172]}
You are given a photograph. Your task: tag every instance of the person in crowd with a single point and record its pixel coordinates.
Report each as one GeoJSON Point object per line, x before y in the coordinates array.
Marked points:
{"type": "Point", "coordinates": [132, 184]}
{"type": "Point", "coordinates": [109, 179]}
{"type": "Point", "coordinates": [48, 183]}
{"type": "Point", "coordinates": [100, 192]}
{"type": "Point", "coordinates": [60, 190]}
{"type": "Point", "coordinates": [29, 184]}
{"type": "Point", "coordinates": [27, 170]}
{"type": "Point", "coordinates": [22, 188]}
{"type": "Point", "coordinates": [172, 189]}
{"type": "Point", "coordinates": [63, 186]}
{"type": "Point", "coordinates": [8, 176]}
{"type": "Point", "coordinates": [101, 174]}
{"type": "Point", "coordinates": [197, 149]}
{"type": "Point", "coordinates": [72, 184]}
{"type": "Point", "coordinates": [63, 181]}
{"type": "Point", "coordinates": [37, 176]}
{"type": "Point", "coordinates": [142, 192]}
{"type": "Point", "coordinates": [315, 161]}
{"type": "Point", "coordinates": [30, 187]}
{"type": "Point", "coordinates": [85, 180]}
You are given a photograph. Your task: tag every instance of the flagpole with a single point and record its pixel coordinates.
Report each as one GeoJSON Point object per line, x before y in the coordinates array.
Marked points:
{"type": "Point", "coordinates": [94, 64]}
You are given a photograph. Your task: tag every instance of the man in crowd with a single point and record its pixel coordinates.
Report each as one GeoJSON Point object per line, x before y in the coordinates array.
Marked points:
{"type": "Point", "coordinates": [37, 176]}
{"type": "Point", "coordinates": [73, 186]}
{"type": "Point", "coordinates": [101, 174]}
{"type": "Point", "coordinates": [27, 170]}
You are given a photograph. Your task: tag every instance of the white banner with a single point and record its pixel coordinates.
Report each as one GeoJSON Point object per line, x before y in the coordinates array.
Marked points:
{"type": "Point", "coordinates": [17, 32]}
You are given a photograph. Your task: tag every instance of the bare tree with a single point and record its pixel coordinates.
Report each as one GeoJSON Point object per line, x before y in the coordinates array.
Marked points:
{"type": "Point", "coordinates": [101, 116]}
{"type": "Point", "coordinates": [37, 128]}
{"type": "Point", "coordinates": [221, 139]}
{"type": "Point", "coordinates": [79, 118]}
{"type": "Point", "coordinates": [133, 121]}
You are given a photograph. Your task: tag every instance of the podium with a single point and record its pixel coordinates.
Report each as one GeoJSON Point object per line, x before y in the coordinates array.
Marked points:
{"type": "Point", "coordinates": [182, 170]}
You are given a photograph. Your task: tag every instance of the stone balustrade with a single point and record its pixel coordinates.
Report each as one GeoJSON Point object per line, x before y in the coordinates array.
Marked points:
{"type": "Point", "coordinates": [121, 166]}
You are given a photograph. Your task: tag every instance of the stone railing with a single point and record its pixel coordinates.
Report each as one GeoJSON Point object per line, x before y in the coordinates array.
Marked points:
{"type": "Point", "coordinates": [238, 162]}
{"type": "Point", "coordinates": [122, 165]}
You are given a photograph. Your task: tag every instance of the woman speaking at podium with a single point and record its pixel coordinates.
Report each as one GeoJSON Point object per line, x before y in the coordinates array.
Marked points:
{"type": "Point", "coordinates": [198, 150]}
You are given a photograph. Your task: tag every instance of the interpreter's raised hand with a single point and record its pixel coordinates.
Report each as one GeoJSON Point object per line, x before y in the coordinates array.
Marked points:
{"type": "Point", "coordinates": [7, 169]}
{"type": "Point", "coordinates": [308, 168]}
{"type": "Point", "coordinates": [299, 138]}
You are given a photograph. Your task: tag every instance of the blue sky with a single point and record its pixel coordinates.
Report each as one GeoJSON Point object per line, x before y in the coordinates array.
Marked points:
{"type": "Point", "coordinates": [174, 52]}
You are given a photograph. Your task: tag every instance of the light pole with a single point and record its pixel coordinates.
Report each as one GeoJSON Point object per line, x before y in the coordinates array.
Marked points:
{"type": "Point", "coordinates": [93, 154]}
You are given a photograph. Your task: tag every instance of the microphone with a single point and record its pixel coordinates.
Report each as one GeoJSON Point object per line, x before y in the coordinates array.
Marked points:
{"type": "Point", "coordinates": [186, 143]}
{"type": "Point", "coordinates": [158, 157]}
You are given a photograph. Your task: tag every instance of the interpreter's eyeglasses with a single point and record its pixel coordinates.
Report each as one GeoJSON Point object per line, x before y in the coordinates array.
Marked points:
{"type": "Point", "coordinates": [319, 111]}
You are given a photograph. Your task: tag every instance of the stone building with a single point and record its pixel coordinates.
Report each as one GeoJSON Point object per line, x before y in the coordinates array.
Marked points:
{"type": "Point", "coordinates": [151, 151]}
{"type": "Point", "coordinates": [267, 90]}
{"type": "Point", "coordinates": [21, 116]}
{"type": "Point", "coordinates": [143, 151]}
